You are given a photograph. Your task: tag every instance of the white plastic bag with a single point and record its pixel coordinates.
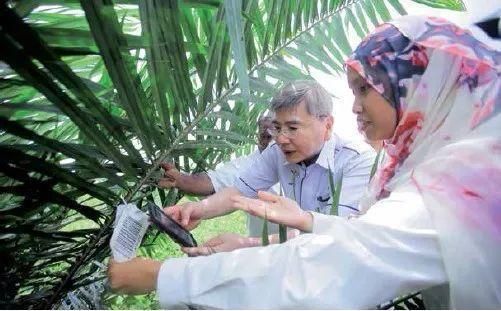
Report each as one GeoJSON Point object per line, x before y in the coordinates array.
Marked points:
{"type": "Point", "coordinates": [130, 226]}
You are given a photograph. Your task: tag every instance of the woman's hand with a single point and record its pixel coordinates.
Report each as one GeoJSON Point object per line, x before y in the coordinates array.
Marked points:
{"type": "Point", "coordinates": [225, 242]}
{"type": "Point", "coordinates": [277, 209]}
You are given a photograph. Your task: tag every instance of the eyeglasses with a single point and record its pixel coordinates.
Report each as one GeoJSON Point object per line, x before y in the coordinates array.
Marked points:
{"type": "Point", "coordinates": [288, 131]}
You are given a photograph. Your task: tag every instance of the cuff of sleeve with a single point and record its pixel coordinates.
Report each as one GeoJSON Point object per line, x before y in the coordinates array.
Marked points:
{"type": "Point", "coordinates": [172, 292]}
{"type": "Point", "coordinates": [214, 180]}
{"type": "Point", "coordinates": [322, 222]}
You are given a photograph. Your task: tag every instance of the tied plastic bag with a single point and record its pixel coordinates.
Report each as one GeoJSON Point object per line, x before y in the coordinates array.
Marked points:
{"type": "Point", "coordinates": [87, 297]}
{"type": "Point", "coordinates": [129, 228]}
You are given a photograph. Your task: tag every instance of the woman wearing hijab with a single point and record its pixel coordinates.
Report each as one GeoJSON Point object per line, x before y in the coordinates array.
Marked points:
{"type": "Point", "coordinates": [431, 91]}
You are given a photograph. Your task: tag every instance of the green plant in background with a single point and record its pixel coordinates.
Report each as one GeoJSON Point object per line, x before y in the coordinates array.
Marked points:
{"type": "Point", "coordinates": [282, 233]}
{"type": "Point", "coordinates": [95, 94]}
{"type": "Point", "coordinates": [376, 163]}
{"type": "Point", "coordinates": [282, 229]}
{"type": "Point", "coordinates": [265, 240]}
{"type": "Point", "coordinates": [335, 192]}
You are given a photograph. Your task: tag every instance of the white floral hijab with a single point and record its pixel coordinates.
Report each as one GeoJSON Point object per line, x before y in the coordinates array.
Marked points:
{"type": "Point", "coordinates": [445, 86]}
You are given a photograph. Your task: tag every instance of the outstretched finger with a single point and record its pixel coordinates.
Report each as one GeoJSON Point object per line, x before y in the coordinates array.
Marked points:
{"type": "Point", "coordinates": [198, 251]}
{"type": "Point", "coordinates": [268, 196]}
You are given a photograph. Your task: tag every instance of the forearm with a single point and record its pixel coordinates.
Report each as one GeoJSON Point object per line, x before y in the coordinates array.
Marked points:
{"type": "Point", "coordinates": [218, 204]}
{"type": "Point", "coordinates": [197, 184]}
{"type": "Point", "coordinates": [137, 276]}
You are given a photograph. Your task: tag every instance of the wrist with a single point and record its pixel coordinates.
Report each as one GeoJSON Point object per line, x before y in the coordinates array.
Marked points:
{"type": "Point", "coordinates": [253, 242]}
{"type": "Point", "coordinates": [203, 210]}
{"type": "Point", "coordinates": [306, 222]}
{"type": "Point", "coordinates": [153, 270]}
{"type": "Point", "coordinates": [181, 182]}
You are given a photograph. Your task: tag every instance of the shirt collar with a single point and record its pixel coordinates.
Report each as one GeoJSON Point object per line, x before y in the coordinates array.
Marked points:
{"type": "Point", "coordinates": [326, 157]}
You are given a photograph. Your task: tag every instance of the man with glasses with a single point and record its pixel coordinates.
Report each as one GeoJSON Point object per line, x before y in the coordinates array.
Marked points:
{"type": "Point", "coordinates": [224, 176]}
{"type": "Point", "coordinates": [306, 152]}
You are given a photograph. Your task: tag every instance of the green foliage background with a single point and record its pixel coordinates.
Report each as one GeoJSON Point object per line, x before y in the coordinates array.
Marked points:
{"type": "Point", "coordinates": [95, 94]}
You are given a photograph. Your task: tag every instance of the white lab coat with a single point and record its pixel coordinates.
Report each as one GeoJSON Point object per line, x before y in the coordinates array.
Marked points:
{"type": "Point", "coordinates": [344, 263]}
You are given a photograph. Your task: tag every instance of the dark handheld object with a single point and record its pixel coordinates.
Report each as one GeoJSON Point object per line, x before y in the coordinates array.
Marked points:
{"type": "Point", "coordinates": [177, 233]}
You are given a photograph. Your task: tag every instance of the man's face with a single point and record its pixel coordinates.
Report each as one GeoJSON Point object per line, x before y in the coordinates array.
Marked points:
{"type": "Point", "coordinates": [263, 136]}
{"type": "Point", "coordinates": [300, 135]}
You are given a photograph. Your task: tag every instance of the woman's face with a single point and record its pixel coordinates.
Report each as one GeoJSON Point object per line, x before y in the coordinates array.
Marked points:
{"type": "Point", "coordinates": [376, 118]}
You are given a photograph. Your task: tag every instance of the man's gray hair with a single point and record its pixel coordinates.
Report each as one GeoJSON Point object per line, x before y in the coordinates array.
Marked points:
{"type": "Point", "coordinates": [318, 102]}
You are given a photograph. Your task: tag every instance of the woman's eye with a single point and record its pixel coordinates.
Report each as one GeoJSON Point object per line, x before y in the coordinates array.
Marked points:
{"type": "Point", "coordinates": [363, 89]}
{"type": "Point", "coordinates": [292, 129]}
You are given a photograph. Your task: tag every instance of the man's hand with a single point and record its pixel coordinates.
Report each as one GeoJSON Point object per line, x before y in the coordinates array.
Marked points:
{"type": "Point", "coordinates": [197, 183]}
{"type": "Point", "coordinates": [277, 209]}
{"type": "Point", "coordinates": [171, 176]}
{"type": "Point", "coordinates": [189, 215]}
{"type": "Point", "coordinates": [225, 242]}
{"type": "Point", "coordinates": [137, 276]}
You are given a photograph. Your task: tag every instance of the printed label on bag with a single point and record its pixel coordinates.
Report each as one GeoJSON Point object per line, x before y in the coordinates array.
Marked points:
{"type": "Point", "coordinates": [130, 226]}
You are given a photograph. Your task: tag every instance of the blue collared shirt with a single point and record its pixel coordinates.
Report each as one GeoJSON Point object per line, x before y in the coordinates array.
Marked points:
{"type": "Point", "coordinates": [309, 185]}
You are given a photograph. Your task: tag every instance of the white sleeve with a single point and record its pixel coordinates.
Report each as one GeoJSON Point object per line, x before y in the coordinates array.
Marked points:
{"type": "Point", "coordinates": [226, 175]}
{"type": "Point", "coordinates": [347, 263]}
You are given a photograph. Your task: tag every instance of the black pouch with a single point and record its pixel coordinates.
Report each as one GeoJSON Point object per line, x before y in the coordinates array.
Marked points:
{"type": "Point", "coordinates": [168, 225]}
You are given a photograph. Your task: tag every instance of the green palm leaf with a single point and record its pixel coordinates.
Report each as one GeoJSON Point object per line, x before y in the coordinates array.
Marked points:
{"type": "Point", "coordinates": [95, 95]}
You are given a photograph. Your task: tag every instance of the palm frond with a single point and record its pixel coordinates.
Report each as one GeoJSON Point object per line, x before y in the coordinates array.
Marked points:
{"type": "Point", "coordinates": [95, 95]}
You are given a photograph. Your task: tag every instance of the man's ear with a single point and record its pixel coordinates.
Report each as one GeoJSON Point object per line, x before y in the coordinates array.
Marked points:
{"type": "Point", "coordinates": [329, 125]}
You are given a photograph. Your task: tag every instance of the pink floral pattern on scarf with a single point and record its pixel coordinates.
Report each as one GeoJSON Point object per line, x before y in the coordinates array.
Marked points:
{"type": "Point", "coordinates": [393, 65]}
{"type": "Point", "coordinates": [445, 86]}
